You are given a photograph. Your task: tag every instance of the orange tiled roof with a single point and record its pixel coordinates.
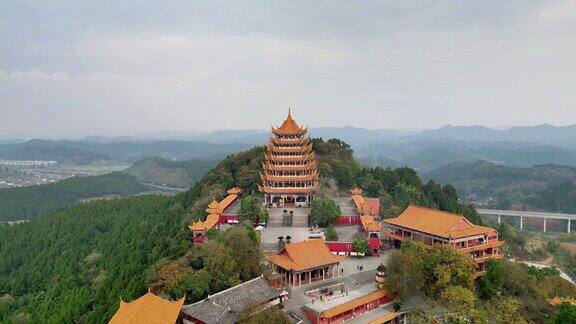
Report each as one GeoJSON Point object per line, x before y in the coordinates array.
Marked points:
{"type": "Point", "coordinates": [304, 147]}
{"type": "Point", "coordinates": [369, 223]}
{"type": "Point", "coordinates": [356, 191]}
{"type": "Point", "coordinates": [268, 189]}
{"type": "Point", "coordinates": [149, 309]}
{"type": "Point", "coordinates": [385, 318]}
{"type": "Point", "coordinates": [227, 201]}
{"type": "Point", "coordinates": [279, 141]}
{"type": "Point", "coordinates": [210, 222]}
{"type": "Point", "coordinates": [358, 201]}
{"type": "Point", "coordinates": [289, 126]}
{"type": "Point", "coordinates": [309, 166]}
{"type": "Point", "coordinates": [436, 222]}
{"type": "Point", "coordinates": [214, 208]}
{"type": "Point", "coordinates": [556, 301]}
{"type": "Point", "coordinates": [362, 300]}
{"type": "Point", "coordinates": [307, 177]}
{"type": "Point", "coordinates": [290, 158]}
{"type": "Point", "coordinates": [304, 255]}
{"type": "Point", "coordinates": [234, 191]}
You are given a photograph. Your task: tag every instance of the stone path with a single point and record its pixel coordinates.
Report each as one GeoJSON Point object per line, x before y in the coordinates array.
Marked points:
{"type": "Point", "coordinates": [277, 217]}
{"type": "Point", "coordinates": [346, 205]}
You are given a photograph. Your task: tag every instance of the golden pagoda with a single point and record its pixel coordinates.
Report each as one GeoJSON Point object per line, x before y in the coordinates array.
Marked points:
{"type": "Point", "coordinates": [290, 177]}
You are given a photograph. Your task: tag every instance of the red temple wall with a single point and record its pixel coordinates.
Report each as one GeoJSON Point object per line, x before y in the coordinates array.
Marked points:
{"type": "Point", "coordinates": [315, 319]}
{"type": "Point", "coordinates": [347, 220]}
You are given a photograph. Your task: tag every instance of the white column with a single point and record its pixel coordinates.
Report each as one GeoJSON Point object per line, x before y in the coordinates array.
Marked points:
{"type": "Point", "coordinates": [568, 226]}
{"type": "Point", "coordinates": [521, 222]}
{"type": "Point", "coordinates": [499, 219]}
{"type": "Point", "coordinates": [544, 225]}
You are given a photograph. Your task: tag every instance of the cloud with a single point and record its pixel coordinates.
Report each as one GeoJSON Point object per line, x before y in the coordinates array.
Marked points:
{"type": "Point", "coordinates": [118, 68]}
{"type": "Point", "coordinates": [559, 11]}
{"type": "Point", "coordinates": [35, 74]}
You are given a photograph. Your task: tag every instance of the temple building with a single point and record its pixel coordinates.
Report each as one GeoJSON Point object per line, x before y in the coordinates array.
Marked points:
{"type": "Point", "coordinates": [217, 214]}
{"type": "Point", "coordinates": [290, 177]}
{"type": "Point", "coordinates": [149, 309]}
{"type": "Point", "coordinates": [341, 302]}
{"type": "Point", "coordinates": [368, 209]}
{"type": "Point", "coordinates": [305, 262]}
{"type": "Point", "coordinates": [438, 227]}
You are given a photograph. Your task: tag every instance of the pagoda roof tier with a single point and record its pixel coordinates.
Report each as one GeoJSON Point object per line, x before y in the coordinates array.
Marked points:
{"type": "Point", "coordinates": [281, 149]}
{"type": "Point", "coordinates": [289, 127]}
{"type": "Point", "coordinates": [288, 158]}
{"type": "Point", "coordinates": [287, 190]}
{"type": "Point", "coordinates": [305, 167]}
{"type": "Point", "coordinates": [308, 177]}
{"type": "Point", "coordinates": [299, 141]}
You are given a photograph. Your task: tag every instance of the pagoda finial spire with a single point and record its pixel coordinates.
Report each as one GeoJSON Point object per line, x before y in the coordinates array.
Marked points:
{"type": "Point", "coordinates": [289, 113]}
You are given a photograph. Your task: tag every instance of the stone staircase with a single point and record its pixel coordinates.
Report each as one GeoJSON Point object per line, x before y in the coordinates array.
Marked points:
{"type": "Point", "coordinates": [277, 218]}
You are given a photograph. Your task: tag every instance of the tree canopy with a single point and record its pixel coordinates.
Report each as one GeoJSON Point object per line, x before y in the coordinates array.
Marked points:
{"type": "Point", "coordinates": [40, 200]}
{"type": "Point", "coordinates": [325, 211]}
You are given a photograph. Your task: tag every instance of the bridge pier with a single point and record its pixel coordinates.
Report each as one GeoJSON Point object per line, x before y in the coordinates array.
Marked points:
{"type": "Point", "coordinates": [545, 225]}
{"type": "Point", "coordinates": [521, 222]}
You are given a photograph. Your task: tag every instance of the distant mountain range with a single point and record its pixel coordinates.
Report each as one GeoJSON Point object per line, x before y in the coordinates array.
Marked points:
{"type": "Point", "coordinates": [85, 152]}
{"type": "Point", "coordinates": [425, 155]}
{"type": "Point", "coordinates": [423, 150]}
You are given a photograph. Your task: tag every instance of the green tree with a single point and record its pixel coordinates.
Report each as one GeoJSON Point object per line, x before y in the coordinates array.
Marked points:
{"type": "Point", "coordinates": [566, 314]}
{"type": "Point", "coordinates": [325, 211]}
{"type": "Point", "coordinates": [257, 315]}
{"type": "Point", "coordinates": [491, 282]}
{"type": "Point", "coordinates": [330, 233]}
{"type": "Point", "coordinates": [458, 299]}
{"type": "Point", "coordinates": [251, 210]}
{"type": "Point", "coordinates": [393, 211]}
{"type": "Point", "coordinates": [361, 246]}
{"type": "Point", "coordinates": [245, 252]}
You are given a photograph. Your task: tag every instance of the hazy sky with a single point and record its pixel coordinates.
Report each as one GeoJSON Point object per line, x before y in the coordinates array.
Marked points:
{"type": "Point", "coordinates": [111, 67]}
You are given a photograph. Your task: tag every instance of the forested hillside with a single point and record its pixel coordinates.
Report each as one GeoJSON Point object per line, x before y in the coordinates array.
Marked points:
{"type": "Point", "coordinates": [542, 187]}
{"type": "Point", "coordinates": [35, 201]}
{"type": "Point", "coordinates": [396, 188]}
{"type": "Point", "coordinates": [179, 174]}
{"type": "Point", "coordinates": [75, 264]}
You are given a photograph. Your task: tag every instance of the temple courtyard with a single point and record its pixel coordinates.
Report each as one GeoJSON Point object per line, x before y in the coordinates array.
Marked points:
{"type": "Point", "coordinates": [354, 281]}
